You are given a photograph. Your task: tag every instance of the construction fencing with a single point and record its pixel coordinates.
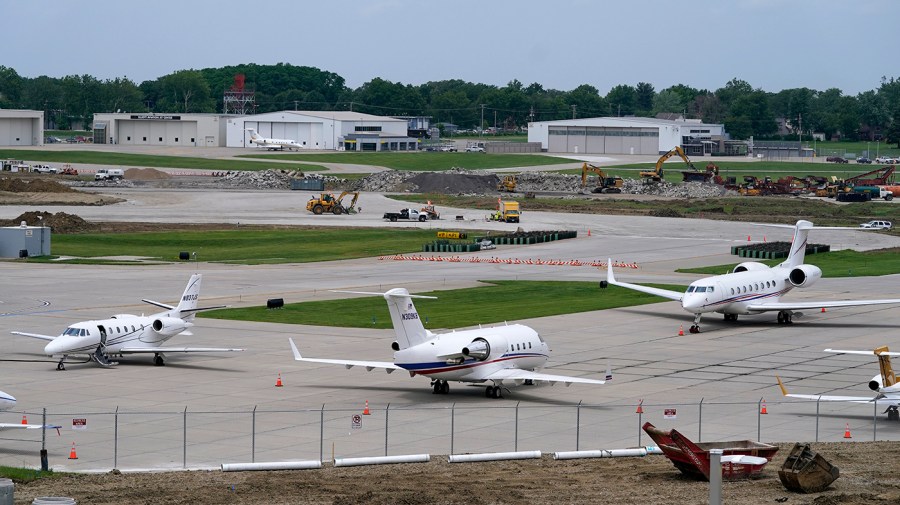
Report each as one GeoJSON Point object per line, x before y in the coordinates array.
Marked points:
{"type": "Point", "coordinates": [189, 438]}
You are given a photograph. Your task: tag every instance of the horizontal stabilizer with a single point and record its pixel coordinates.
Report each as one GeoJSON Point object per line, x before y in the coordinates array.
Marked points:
{"type": "Point", "coordinates": [389, 293]}
{"type": "Point", "coordinates": [158, 304]}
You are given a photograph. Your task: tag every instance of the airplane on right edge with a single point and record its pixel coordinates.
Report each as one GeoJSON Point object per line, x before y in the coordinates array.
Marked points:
{"type": "Point", "coordinates": [885, 384]}
{"type": "Point", "coordinates": [753, 287]}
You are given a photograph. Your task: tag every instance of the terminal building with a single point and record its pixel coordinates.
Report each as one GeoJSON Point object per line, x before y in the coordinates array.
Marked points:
{"type": "Point", "coordinates": [630, 135]}
{"type": "Point", "coordinates": [21, 127]}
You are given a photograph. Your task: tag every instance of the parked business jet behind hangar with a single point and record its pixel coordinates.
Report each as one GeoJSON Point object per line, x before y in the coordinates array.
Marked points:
{"type": "Point", "coordinates": [323, 130]}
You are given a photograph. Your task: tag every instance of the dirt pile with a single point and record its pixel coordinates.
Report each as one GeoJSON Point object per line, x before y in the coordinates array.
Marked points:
{"type": "Point", "coordinates": [59, 222]}
{"type": "Point", "coordinates": [146, 174]}
{"type": "Point", "coordinates": [42, 185]}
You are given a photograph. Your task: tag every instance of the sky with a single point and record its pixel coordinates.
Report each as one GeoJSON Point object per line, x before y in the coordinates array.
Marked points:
{"type": "Point", "coordinates": [560, 44]}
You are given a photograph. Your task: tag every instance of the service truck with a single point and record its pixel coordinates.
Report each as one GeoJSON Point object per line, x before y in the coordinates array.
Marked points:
{"type": "Point", "coordinates": [109, 174]}
{"type": "Point", "coordinates": [406, 215]}
{"type": "Point", "coordinates": [507, 212]}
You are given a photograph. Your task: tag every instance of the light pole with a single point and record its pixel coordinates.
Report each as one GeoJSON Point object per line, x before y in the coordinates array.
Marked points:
{"type": "Point", "coordinates": [481, 126]}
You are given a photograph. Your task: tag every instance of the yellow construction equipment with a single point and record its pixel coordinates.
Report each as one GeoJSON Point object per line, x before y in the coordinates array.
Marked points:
{"type": "Point", "coordinates": [656, 174]}
{"type": "Point", "coordinates": [507, 183]}
{"type": "Point", "coordinates": [608, 184]}
{"type": "Point", "coordinates": [326, 202]}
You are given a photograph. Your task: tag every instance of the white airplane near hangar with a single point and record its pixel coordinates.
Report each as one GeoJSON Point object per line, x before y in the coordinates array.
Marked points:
{"type": "Point", "coordinates": [273, 144]}
{"type": "Point", "coordinates": [129, 334]}
{"type": "Point", "coordinates": [498, 357]}
{"type": "Point", "coordinates": [7, 402]}
{"type": "Point", "coordinates": [884, 384]}
{"type": "Point", "coordinates": [753, 287]}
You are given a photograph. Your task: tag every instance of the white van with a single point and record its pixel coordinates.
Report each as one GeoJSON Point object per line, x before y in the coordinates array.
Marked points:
{"type": "Point", "coordinates": [109, 174]}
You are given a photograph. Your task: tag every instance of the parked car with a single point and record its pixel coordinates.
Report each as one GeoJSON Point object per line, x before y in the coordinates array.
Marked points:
{"type": "Point", "coordinates": [836, 159]}
{"type": "Point", "coordinates": [43, 169]}
{"type": "Point", "coordinates": [474, 149]}
{"type": "Point", "coordinates": [880, 225]}
{"type": "Point", "coordinates": [486, 244]}
{"type": "Point", "coordinates": [863, 159]}
{"type": "Point", "coordinates": [886, 160]}
{"type": "Point", "coordinates": [449, 148]}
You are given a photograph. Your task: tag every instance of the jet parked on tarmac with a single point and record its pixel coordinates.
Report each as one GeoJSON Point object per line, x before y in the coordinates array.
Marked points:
{"type": "Point", "coordinates": [753, 287]}
{"type": "Point", "coordinates": [884, 384]}
{"type": "Point", "coordinates": [497, 357]}
{"type": "Point", "coordinates": [129, 334]}
{"type": "Point", "coordinates": [273, 144]}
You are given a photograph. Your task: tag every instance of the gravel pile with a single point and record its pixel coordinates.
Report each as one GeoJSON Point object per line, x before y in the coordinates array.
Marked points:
{"type": "Point", "coordinates": [681, 190]}
{"type": "Point", "coordinates": [273, 179]}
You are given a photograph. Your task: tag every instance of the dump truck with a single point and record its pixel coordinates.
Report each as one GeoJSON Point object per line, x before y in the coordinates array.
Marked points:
{"type": "Point", "coordinates": [326, 202]}
{"type": "Point", "coordinates": [507, 212]}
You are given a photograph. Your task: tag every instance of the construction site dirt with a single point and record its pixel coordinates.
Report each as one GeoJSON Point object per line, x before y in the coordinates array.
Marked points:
{"type": "Point", "coordinates": [866, 478]}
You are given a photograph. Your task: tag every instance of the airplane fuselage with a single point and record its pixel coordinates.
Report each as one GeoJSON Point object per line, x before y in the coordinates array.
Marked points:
{"type": "Point", "coordinates": [7, 401]}
{"type": "Point", "coordinates": [733, 293]}
{"type": "Point", "coordinates": [114, 334]}
{"type": "Point", "coordinates": [443, 357]}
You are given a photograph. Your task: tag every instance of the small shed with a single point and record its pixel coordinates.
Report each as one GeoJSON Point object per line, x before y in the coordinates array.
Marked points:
{"type": "Point", "coordinates": [23, 241]}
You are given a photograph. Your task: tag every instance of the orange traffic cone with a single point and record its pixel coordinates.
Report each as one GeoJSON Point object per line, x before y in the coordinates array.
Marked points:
{"type": "Point", "coordinates": [823, 309]}
{"type": "Point", "coordinates": [24, 420]}
{"type": "Point", "coordinates": [72, 454]}
{"type": "Point", "coordinates": [680, 330]}
{"type": "Point", "coordinates": [847, 431]}
{"type": "Point", "coordinates": [640, 408]}
{"type": "Point", "coordinates": [748, 238]}
{"type": "Point", "coordinates": [366, 410]}
{"type": "Point", "coordinates": [278, 383]}
{"type": "Point", "coordinates": [763, 409]}
{"type": "Point", "coordinates": [589, 232]}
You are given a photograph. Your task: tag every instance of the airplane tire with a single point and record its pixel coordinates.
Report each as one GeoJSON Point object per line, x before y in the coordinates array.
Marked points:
{"type": "Point", "coordinates": [158, 361]}
{"type": "Point", "coordinates": [489, 392]}
{"type": "Point", "coordinates": [498, 393]}
{"type": "Point", "coordinates": [445, 387]}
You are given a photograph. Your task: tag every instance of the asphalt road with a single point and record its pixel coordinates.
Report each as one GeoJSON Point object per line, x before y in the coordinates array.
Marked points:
{"type": "Point", "coordinates": [198, 411]}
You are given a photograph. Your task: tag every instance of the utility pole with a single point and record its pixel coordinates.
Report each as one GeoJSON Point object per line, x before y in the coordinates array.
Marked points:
{"type": "Point", "coordinates": [481, 126]}
{"type": "Point", "coordinates": [295, 104]}
{"type": "Point", "coordinates": [531, 114]}
{"type": "Point", "coordinates": [573, 110]}
{"type": "Point", "coordinates": [800, 125]}
{"type": "Point", "coordinates": [495, 121]}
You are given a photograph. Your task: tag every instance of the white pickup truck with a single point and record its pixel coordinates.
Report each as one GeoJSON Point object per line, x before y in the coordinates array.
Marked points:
{"type": "Point", "coordinates": [43, 169]}
{"type": "Point", "coordinates": [406, 215]}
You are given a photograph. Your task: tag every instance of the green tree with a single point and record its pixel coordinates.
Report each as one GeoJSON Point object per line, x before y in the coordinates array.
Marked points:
{"type": "Point", "coordinates": [185, 91]}
{"type": "Point", "coordinates": [667, 101]}
{"type": "Point", "coordinates": [644, 95]}
{"type": "Point", "coordinates": [622, 99]}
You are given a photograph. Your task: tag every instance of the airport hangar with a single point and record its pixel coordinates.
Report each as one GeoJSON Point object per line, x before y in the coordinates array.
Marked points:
{"type": "Point", "coordinates": [338, 130]}
{"type": "Point", "coordinates": [630, 135]}
{"type": "Point", "coordinates": [21, 127]}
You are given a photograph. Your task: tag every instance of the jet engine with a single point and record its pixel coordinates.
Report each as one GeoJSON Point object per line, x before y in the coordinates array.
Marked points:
{"type": "Point", "coordinates": [749, 266]}
{"type": "Point", "coordinates": [875, 383]}
{"type": "Point", "coordinates": [480, 348]}
{"type": "Point", "coordinates": [170, 325]}
{"type": "Point", "coordinates": [804, 275]}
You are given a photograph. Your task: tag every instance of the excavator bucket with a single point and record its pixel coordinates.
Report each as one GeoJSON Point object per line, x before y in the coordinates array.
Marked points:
{"type": "Point", "coordinates": [805, 471]}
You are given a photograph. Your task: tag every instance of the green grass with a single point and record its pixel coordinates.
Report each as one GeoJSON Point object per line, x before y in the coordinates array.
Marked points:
{"type": "Point", "coordinates": [148, 160]}
{"type": "Point", "coordinates": [25, 475]}
{"type": "Point", "coordinates": [856, 148]}
{"type": "Point", "coordinates": [846, 263]}
{"type": "Point", "coordinates": [247, 246]}
{"type": "Point", "coordinates": [423, 161]}
{"type": "Point", "coordinates": [494, 303]}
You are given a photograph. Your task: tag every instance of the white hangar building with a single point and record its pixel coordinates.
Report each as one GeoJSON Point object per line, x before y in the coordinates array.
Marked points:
{"type": "Point", "coordinates": [327, 130]}
{"type": "Point", "coordinates": [21, 127]}
{"type": "Point", "coordinates": [149, 129]}
{"type": "Point", "coordinates": [627, 135]}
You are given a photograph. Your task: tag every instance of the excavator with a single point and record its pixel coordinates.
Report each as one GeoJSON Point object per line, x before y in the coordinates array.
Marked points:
{"type": "Point", "coordinates": [326, 202]}
{"type": "Point", "coordinates": [608, 184]}
{"type": "Point", "coordinates": [656, 175]}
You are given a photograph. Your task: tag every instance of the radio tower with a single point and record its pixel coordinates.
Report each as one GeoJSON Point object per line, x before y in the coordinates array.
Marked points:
{"type": "Point", "coordinates": [237, 100]}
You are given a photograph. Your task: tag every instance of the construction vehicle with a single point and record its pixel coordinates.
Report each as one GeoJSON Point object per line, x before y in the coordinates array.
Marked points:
{"type": "Point", "coordinates": [326, 202]}
{"type": "Point", "coordinates": [507, 211]}
{"type": "Point", "coordinates": [406, 215]}
{"type": "Point", "coordinates": [883, 176]}
{"type": "Point", "coordinates": [430, 211]}
{"type": "Point", "coordinates": [68, 170]}
{"type": "Point", "coordinates": [608, 184]}
{"type": "Point", "coordinates": [656, 175]}
{"type": "Point", "coordinates": [507, 183]}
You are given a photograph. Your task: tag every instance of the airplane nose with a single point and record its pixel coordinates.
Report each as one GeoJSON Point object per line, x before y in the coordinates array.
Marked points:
{"type": "Point", "coordinates": [692, 303]}
{"type": "Point", "coordinates": [7, 401]}
{"type": "Point", "coordinates": [55, 346]}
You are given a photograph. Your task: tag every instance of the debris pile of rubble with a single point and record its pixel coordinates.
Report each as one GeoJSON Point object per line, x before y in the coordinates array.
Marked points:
{"type": "Point", "coordinates": [273, 179]}
{"type": "Point", "coordinates": [681, 190]}
{"type": "Point", "coordinates": [547, 181]}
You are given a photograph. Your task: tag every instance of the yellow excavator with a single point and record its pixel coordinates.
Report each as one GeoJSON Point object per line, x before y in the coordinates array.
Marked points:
{"type": "Point", "coordinates": [656, 175]}
{"type": "Point", "coordinates": [608, 184]}
{"type": "Point", "coordinates": [326, 202]}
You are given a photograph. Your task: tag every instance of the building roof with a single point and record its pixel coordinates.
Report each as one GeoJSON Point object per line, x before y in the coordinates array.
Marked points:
{"type": "Point", "coordinates": [338, 115]}
{"type": "Point", "coordinates": [626, 121]}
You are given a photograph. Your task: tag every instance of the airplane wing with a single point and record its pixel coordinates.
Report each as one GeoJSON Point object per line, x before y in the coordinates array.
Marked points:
{"type": "Point", "coordinates": [369, 365]}
{"type": "Point", "coordinates": [146, 350]}
{"type": "Point", "coordinates": [17, 426]}
{"type": "Point", "coordinates": [517, 375]}
{"type": "Point", "coordinates": [33, 335]}
{"type": "Point", "coordinates": [880, 399]}
{"type": "Point", "coordinates": [665, 293]}
{"type": "Point", "coordinates": [765, 307]}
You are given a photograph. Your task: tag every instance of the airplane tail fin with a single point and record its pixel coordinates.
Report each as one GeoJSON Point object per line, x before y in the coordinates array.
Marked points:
{"type": "Point", "coordinates": [187, 306]}
{"type": "Point", "coordinates": [798, 245]}
{"type": "Point", "coordinates": [888, 378]}
{"type": "Point", "coordinates": [253, 134]}
{"type": "Point", "coordinates": [408, 326]}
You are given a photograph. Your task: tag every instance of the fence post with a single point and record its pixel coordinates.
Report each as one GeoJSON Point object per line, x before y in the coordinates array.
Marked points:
{"type": "Point", "coordinates": [116, 438]}
{"type": "Point", "coordinates": [640, 415]}
{"type": "Point", "coordinates": [452, 425]}
{"type": "Point", "coordinates": [759, 420]}
{"type": "Point", "coordinates": [45, 463]}
{"type": "Point", "coordinates": [578, 426]}
{"type": "Point", "coordinates": [817, 417]}
{"type": "Point", "coordinates": [184, 440]}
{"type": "Point", "coordinates": [700, 422]}
{"type": "Point", "coordinates": [386, 414]}
{"type": "Point", "coordinates": [516, 442]}
{"type": "Point", "coordinates": [253, 437]}
{"type": "Point", "coordinates": [875, 420]}
{"type": "Point", "coordinates": [322, 433]}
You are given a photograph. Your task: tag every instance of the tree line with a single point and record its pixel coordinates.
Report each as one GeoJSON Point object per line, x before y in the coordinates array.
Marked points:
{"type": "Point", "coordinates": [744, 110]}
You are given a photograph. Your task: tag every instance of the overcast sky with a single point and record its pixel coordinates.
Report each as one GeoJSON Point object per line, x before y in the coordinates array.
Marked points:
{"type": "Point", "coordinates": [560, 44]}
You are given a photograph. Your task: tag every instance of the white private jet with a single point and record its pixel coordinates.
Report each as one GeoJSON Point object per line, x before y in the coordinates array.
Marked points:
{"type": "Point", "coordinates": [885, 384]}
{"type": "Point", "coordinates": [510, 354]}
{"type": "Point", "coordinates": [273, 144]}
{"type": "Point", "coordinates": [7, 402]}
{"type": "Point", "coordinates": [753, 287]}
{"type": "Point", "coordinates": [129, 334]}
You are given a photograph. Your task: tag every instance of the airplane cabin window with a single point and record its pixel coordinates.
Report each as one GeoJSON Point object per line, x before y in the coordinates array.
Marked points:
{"type": "Point", "coordinates": [732, 290]}
{"type": "Point", "coordinates": [711, 289]}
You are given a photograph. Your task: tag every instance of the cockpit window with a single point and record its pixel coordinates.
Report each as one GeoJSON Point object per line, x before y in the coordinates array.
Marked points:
{"type": "Point", "coordinates": [691, 289]}
{"type": "Point", "coordinates": [700, 289]}
{"type": "Point", "coordinates": [76, 332]}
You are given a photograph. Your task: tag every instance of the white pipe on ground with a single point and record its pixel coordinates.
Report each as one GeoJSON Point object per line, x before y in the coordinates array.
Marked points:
{"type": "Point", "coordinates": [613, 453]}
{"type": "Point", "coordinates": [383, 460]}
{"type": "Point", "coordinates": [271, 465]}
{"type": "Point", "coordinates": [493, 456]}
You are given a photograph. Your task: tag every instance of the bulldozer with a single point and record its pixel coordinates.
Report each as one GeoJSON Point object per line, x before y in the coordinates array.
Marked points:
{"type": "Point", "coordinates": [608, 184]}
{"type": "Point", "coordinates": [656, 175]}
{"type": "Point", "coordinates": [507, 183]}
{"type": "Point", "coordinates": [327, 203]}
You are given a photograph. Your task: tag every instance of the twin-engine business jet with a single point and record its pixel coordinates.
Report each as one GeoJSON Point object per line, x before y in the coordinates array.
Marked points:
{"type": "Point", "coordinates": [129, 334]}
{"type": "Point", "coordinates": [499, 356]}
{"type": "Point", "coordinates": [754, 288]}
{"type": "Point", "coordinates": [273, 144]}
{"type": "Point", "coordinates": [7, 401]}
{"type": "Point", "coordinates": [885, 384]}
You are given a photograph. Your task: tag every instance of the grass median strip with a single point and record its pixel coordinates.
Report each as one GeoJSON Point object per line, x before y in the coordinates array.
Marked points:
{"type": "Point", "coordinates": [496, 302]}
{"type": "Point", "coordinates": [846, 263]}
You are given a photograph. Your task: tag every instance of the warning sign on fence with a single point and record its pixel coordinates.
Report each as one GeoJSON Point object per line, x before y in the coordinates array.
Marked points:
{"type": "Point", "coordinates": [79, 424]}
{"type": "Point", "coordinates": [669, 414]}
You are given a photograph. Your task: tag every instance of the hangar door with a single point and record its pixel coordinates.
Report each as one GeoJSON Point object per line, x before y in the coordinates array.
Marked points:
{"type": "Point", "coordinates": [603, 140]}
{"type": "Point", "coordinates": [299, 132]}
{"type": "Point", "coordinates": [17, 132]}
{"type": "Point", "coordinates": [165, 133]}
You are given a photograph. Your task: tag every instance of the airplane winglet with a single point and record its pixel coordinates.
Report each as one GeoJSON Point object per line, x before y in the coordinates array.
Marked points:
{"type": "Point", "coordinates": [296, 351]}
{"type": "Point", "coordinates": [608, 372]}
{"type": "Point", "coordinates": [610, 278]}
{"type": "Point", "coordinates": [784, 390]}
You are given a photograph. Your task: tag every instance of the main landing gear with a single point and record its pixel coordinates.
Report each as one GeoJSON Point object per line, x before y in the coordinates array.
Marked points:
{"type": "Point", "coordinates": [158, 360]}
{"type": "Point", "coordinates": [892, 413]}
{"type": "Point", "coordinates": [440, 387]}
{"type": "Point", "coordinates": [785, 317]}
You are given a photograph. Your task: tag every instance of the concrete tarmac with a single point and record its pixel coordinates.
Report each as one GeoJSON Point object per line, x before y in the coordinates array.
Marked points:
{"type": "Point", "coordinates": [201, 410]}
